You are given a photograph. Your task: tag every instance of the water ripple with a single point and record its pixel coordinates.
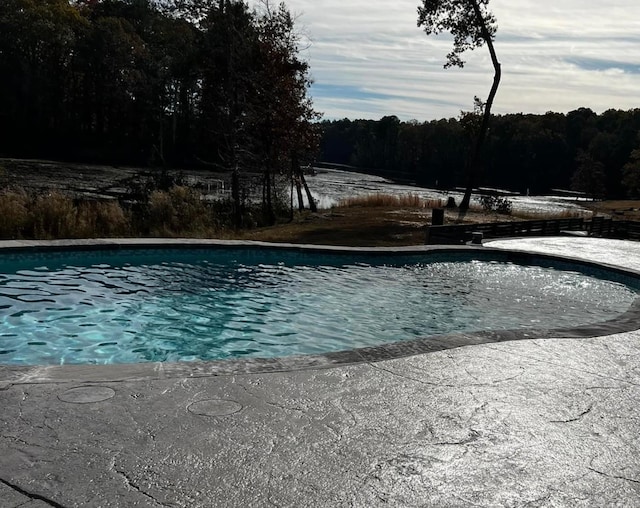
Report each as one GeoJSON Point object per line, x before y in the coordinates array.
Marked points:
{"type": "Point", "coordinates": [134, 306]}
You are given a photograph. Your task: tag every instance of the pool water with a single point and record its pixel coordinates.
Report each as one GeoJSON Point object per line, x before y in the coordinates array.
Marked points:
{"type": "Point", "coordinates": [129, 306]}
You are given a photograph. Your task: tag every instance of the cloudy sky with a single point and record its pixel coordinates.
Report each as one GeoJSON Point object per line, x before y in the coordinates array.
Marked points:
{"type": "Point", "coordinates": [369, 59]}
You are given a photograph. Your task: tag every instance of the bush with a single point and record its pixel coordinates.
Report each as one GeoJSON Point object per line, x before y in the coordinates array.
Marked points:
{"type": "Point", "coordinates": [496, 203]}
{"type": "Point", "coordinates": [53, 215]}
{"type": "Point", "coordinates": [101, 219]}
{"type": "Point", "coordinates": [14, 210]}
{"type": "Point", "coordinates": [390, 200]}
{"type": "Point", "coordinates": [143, 184]}
{"type": "Point", "coordinates": [179, 211]}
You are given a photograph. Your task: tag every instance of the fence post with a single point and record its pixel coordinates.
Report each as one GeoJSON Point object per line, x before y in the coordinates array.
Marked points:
{"type": "Point", "coordinates": [437, 216]}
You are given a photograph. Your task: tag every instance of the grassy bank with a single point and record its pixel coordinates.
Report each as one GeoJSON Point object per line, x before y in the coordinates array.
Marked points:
{"type": "Point", "coordinates": [177, 212]}
{"type": "Point", "coordinates": [374, 220]}
{"type": "Point", "coordinates": [180, 212]}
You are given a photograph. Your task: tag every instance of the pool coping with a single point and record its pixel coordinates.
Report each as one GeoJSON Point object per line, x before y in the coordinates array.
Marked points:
{"type": "Point", "coordinates": [12, 375]}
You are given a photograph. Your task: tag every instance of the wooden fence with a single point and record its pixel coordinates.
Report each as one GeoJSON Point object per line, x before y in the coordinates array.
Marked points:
{"type": "Point", "coordinates": [597, 226]}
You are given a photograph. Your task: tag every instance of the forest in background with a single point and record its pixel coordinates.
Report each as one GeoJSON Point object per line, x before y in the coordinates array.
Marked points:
{"type": "Point", "coordinates": [171, 83]}
{"type": "Point", "coordinates": [214, 84]}
{"type": "Point", "coordinates": [598, 154]}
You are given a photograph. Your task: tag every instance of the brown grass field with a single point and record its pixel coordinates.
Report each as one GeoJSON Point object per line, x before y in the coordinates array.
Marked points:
{"type": "Point", "coordinates": [179, 213]}
{"type": "Point", "coordinates": [371, 224]}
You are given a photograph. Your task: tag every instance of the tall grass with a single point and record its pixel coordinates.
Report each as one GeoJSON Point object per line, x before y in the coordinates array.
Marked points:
{"type": "Point", "coordinates": [102, 219]}
{"type": "Point", "coordinates": [53, 216]}
{"type": "Point", "coordinates": [390, 201]}
{"type": "Point", "coordinates": [176, 212]}
{"type": "Point", "coordinates": [179, 212]}
{"type": "Point", "coordinates": [15, 212]}
{"type": "Point", "coordinates": [542, 215]}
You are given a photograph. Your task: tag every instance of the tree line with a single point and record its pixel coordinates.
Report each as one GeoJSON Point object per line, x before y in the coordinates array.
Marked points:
{"type": "Point", "coordinates": [164, 83]}
{"type": "Point", "coordinates": [216, 84]}
{"type": "Point", "coordinates": [598, 154]}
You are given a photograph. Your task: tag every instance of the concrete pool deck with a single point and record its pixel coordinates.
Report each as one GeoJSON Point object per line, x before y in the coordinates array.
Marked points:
{"type": "Point", "coordinates": [547, 422]}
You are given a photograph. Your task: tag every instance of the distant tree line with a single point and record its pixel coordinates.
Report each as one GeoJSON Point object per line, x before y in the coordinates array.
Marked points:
{"type": "Point", "coordinates": [598, 154]}
{"type": "Point", "coordinates": [162, 83]}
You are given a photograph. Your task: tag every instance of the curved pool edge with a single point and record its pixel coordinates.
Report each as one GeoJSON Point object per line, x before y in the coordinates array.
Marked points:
{"type": "Point", "coordinates": [11, 375]}
{"type": "Point", "coordinates": [151, 243]}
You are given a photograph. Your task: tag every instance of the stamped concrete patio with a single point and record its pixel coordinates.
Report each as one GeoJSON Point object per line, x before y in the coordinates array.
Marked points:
{"type": "Point", "coordinates": [546, 422]}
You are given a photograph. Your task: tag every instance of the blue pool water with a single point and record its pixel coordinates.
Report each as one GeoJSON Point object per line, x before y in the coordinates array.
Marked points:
{"type": "Point", "coordinates": [129, 306]}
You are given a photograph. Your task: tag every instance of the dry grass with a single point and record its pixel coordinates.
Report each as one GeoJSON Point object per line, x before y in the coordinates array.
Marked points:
{"type": "Point", "coordinates": [626, 209]}
{"type": "Point", "coordinates": [53, 216]}
{"type": "Point", "coordinates": [390, 201]}
{"type": "Point", "coordinates": [178, 212]}
{"type": "Point", "coordinates": [354, 226]}
{"type": "Point", "coordinates": [379, 226]}
{"type": "Point", "coordinates": [14, 213]}
{"type": "Point", "coordinates": [564, 214]}
{"type": "Point", "coordinates": [102, 219]}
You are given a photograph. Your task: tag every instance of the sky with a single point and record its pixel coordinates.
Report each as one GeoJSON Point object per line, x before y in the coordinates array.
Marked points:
{"type": "Point", "coordinates": [369, 59]}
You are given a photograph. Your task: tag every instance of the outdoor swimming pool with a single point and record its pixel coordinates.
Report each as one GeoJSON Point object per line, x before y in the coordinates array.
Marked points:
{"type": "Point", "coordinates": [148, 305]}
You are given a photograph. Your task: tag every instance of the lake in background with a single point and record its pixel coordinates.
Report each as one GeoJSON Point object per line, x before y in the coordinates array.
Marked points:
{"type": "Point", "coordinates": [329, 186]}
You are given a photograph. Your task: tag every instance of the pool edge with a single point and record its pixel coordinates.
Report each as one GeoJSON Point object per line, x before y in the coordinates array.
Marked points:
{"type": "Point", "coordinates": [13, 375]}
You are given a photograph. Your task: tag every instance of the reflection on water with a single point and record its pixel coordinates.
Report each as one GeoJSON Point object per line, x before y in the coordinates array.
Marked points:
{"type": "Point", "coordinates": [181, 305]}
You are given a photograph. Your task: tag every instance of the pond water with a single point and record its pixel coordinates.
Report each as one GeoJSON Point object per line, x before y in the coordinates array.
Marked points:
{"type": "Point", "coordinates": [329, 186]}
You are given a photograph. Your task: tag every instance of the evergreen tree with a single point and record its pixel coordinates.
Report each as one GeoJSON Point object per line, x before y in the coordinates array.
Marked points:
{"type": "Point", "coordinates": [631, 173]}
{"type": "Point", "coordinates": [589, 176]}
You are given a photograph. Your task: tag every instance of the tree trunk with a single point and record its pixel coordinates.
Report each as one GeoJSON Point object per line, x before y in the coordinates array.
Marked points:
{"type": "Point", "coordinates": [299, 191]}
{"type": "Point", "coordinates": [291, 199]}
{"type": "Point", "coordinates": [295, 179]}
{"type": "Point", "coordinates": [267, 198]}
{"type": "Point", "coordinates": [312, 202]}
{"type": "Point", "coordinates": [235, 196]}
{"type": "Point", "coordinates": [474, 158]}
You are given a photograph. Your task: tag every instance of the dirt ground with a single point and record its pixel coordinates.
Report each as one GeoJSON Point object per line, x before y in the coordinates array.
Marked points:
{"type": "Point", "coordinates": [628, 209]}
{"type": "Point", "coordinates": [359, 227]}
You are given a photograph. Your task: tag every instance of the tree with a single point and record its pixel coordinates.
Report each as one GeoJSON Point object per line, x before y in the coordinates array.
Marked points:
{"type": "Point", "coordinates": [631, 173]}
{"type": "Point", "coordinates": [229, 81]}
{"type": "Point", "coordinates": [472, 26]}
{"type": "Point", "coordinates": [284, 123]}
{"type": "Point", "coordinates": [36, 46]}
{"type": "Point", "coordinates": [256, 116]}
{"type": "Point", "coordinates": [589, 176]}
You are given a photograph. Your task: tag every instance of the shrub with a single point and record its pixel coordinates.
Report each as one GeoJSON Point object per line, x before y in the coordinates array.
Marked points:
{"type": "Point", "coordinates": [498, 204]}
{"type": "Point", "coordinates": [143, 184]}
{"type": "Point", "coordinates": [390, 200]}
{"type": "Point", "coordinates": [101, 219]}
{"type": "Point", "coordinates": [176, 212]}
{"type": "Point", "coordinates": [53, 215]}
{"type": "Point", "coordinates": [14, 211]}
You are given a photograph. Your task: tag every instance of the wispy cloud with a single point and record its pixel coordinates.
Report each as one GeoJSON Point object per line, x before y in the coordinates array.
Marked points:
{"type": "Point", "coordinates": [369, 59]}
{"type": "Point", "coordinates": [600, 64]}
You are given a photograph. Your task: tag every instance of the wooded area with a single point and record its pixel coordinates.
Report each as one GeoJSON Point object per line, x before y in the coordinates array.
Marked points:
{"type": "Point", "coordinates": [598, 154]}
{"type": "Point", "coordinates": [214, 84]}
{"type": "Point", "coordinates": [157, 83]}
